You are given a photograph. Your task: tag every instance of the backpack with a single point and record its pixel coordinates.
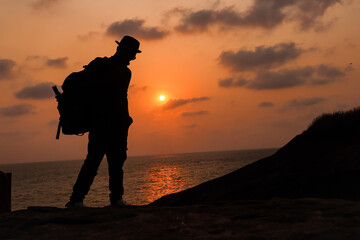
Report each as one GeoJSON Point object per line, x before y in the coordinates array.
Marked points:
{"type": "Point", "coordinates": [74, 103]}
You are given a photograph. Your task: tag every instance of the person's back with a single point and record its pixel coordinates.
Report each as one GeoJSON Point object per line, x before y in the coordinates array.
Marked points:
{"type": "Point", "coordinates": [110, 86]}
{"type": "Point", "coordinates": [110, 121]}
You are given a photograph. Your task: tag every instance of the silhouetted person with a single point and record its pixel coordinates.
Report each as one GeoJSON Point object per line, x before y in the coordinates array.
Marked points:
{"type": "Point", "coordinates": [110, 121]}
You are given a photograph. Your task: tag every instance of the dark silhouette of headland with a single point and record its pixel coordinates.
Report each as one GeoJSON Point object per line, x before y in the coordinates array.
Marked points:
{"type": "Point", "coordinates": [308, 189]}
{"type": "Point", "coordinates": [322, 162]}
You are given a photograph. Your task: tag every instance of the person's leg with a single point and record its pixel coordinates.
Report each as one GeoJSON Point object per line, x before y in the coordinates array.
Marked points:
{"type": "Point", "coordinates": [116, 174]}
{"type": "Point", "coordinates": [89, 168]}
{"type": "Point", "coordinates": [116, 156]}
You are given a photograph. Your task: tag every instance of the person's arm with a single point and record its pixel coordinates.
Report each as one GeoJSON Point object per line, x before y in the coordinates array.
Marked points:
{"type": "Point", "coordinates": [126, 83]}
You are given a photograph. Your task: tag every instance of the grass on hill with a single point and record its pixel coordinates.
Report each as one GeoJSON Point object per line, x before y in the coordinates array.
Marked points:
{"type": "Point", "coordinates": [337, 123]}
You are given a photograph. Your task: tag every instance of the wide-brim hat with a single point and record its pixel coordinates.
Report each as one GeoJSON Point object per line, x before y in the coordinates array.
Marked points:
{"type": "Point", "coordinates": [129, 43]}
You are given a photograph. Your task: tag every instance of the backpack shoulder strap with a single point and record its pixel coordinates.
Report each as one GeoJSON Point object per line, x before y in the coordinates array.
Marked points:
{"type": "Point", "coordinates": [96, 63]}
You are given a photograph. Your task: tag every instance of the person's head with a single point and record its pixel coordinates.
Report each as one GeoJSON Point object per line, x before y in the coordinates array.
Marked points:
{"type": "Point", "coordinates": [127, 48]}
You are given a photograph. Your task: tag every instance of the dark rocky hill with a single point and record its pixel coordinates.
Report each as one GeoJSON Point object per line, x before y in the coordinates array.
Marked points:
{"type": "Point", "coordinates": [322, 162]}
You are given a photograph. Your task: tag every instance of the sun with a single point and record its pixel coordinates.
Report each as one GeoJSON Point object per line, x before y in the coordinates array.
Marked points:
{"type": "Point", "coordinates": [162, 97]}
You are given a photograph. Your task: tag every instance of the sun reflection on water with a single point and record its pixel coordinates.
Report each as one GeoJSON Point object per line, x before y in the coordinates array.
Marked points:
{"type": "Point", "coordinates": [163, 180]}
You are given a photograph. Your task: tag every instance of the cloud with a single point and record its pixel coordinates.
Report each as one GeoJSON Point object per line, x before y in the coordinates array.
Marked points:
{"type": "Point", "coordinates": [22, 134]}
{"type": "Point", "coordinates": [282, 79]}
{"type": "Point", "coordinates": [33, 58]}
{"type": "Point", "coordinates": [174, 103]}
{"type": "Point", "coordinates": [53, 122]}
{"type": "Point", "coordinates": [37, 61]}
{"type": "Point", "coordinates": [261, 58]}
{"type": "Point", "coordinates": [135, 88]}
{"type": "Point", "coordinates": [287, 78]}
{"type": "Point", "coordinates": [10, 134]}
{"type": "Point", "coordinates": [198, 21]}
{"type": "Point", "coordinates": [88, 36]}
{"type": "Point", "coordinates": [192, 114]}
{"type": "Point", "coordinates": [39, 91]}
{"type": "Point", "coordinates": [57, 62]}
{"type": "Point", "coordinates": [270, 13]}
{"type": "Point", "coordinates": [306, 102]}
{"type": "Point", "coordinates": [231, 82]}
{"type": "Point", "coordinates": [329, 72]}
{"type": "Point", "coordinates": [191, 126]}
{"type": "Point", "coordinates": [349, 68]}
{"type": "Point", "coordinates": [136, 28]}
{"type": "Point", "coordinates": [266, 14]}
{"type": "Point", "coordinates": [266, 104]}
{"type": "Point", "coordinates": [309, 11]}
{"type": "Point", "coordinates": [6, 68]}
{"type": "Point", "coordinates": [44, 4]}
{"type": "Point", "coordinates": [17, 110]}
{"type": "Point", "coordinates": [226, 18]}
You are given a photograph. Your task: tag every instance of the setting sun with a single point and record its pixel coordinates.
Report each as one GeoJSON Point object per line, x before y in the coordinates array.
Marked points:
{"type": "Point", "coordinates": [162, 98]}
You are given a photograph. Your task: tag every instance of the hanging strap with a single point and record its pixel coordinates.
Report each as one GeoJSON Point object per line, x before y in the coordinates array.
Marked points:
{"type": "Point", "coordinates": [58, 131]}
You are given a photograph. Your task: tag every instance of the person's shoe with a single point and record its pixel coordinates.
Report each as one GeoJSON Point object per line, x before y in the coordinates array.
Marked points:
{"type": "Point", "coordinates": [119, 203]}
{"type": "Point", "coordinates": [74, 204]}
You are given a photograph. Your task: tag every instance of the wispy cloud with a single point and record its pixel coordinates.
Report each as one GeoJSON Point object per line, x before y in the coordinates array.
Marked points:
{"type": "Point", "coordinates": [191, 126]}
{"type": "Point", "coordinates": [10, 134]}
{"type": "Point", "coordinates": [60, 62]}
{"type": "Point", "coordinates": [266, 104]}
{"type": "Point", "coordinates": [17, 110]}
{"type": "Point", "coordinates": [305, 102]}
{"type": "Point", "coordinates": [53, 122]}
{"type": "Point", "coordinates": [136, 28]}
{"type": "Point", "coordinates": [39, 91]}
{"type": "Point", "coordinates": [174, 103]}
{"type": "Point", "coordinates": [87, 36]}
{"type": "Point", "coordinates": [135, 88]}
{"type": "Point", "coordinates": [44, 4]}
{"type": "Point", "coordinates": [57, 62]}
{"type": "Point", "coordinates": [193, 114]}
{"type": "Point", "coordinates": [6, 68]}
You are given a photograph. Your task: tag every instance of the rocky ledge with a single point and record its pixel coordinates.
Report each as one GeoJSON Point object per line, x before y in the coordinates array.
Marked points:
{"type": "Point", "coordinates": [263, 219]}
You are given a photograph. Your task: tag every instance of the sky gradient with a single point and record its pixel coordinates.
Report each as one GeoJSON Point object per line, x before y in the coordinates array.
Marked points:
{"type": "Point", "coordinates": [235, 74]}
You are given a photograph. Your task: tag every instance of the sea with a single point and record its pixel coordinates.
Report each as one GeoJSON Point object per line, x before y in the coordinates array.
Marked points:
{"type": "Point", "coordinates": [146, 178]}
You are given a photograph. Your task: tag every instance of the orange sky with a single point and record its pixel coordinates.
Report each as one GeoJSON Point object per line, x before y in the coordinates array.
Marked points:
{"type": "Point", "coordinates": [235, 75]}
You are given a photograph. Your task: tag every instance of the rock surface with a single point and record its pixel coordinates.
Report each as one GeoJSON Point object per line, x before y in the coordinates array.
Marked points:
{"type": "Point", "coordinates": [297, 219]}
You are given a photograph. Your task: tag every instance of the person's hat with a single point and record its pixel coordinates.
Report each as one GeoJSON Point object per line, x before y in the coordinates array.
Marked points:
{"type": "Point", "coordinates": [129, 43]}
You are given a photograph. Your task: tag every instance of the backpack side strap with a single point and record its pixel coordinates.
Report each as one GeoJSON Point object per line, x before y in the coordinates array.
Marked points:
{"type": "Point", "coordinates": [58, 130]}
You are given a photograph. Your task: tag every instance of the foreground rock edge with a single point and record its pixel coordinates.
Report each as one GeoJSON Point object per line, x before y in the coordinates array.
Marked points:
{"type": "Point", "coordinates": [264, 219]}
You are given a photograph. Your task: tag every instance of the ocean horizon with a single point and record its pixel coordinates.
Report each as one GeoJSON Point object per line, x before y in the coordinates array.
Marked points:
{"type": "Point", "coordinates": [146, 178]}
